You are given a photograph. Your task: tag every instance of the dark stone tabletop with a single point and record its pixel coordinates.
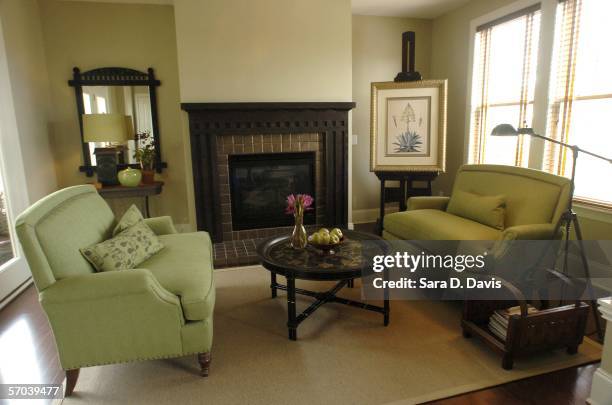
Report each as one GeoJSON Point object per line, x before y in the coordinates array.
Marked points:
{"type": "Point", "coordinates": [352, 257]}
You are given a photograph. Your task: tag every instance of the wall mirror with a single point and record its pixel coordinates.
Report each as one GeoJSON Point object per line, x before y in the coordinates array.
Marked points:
{"type": "Point", "coordinates": [123, 91]}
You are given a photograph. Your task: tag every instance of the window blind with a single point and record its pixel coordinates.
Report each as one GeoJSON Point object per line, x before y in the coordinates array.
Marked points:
{"type": "Point", "coordinates": [564, 70]}
{"type": "Point", "coordinates": [503, 85]}
{"type": "Point", "coordinates": [580, 97]}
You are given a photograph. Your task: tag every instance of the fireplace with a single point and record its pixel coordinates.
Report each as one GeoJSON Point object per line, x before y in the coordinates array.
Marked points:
{"type": "Point", "coordinates": [255, 150]}
{"type": "Point", "coordinates": [243, 152]}
{"type": "Point", "coordinates": [260, 184]}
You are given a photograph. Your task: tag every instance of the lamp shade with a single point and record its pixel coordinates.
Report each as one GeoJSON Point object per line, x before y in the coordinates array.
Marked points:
{"type": "Point", "coordinates": [504, 130]}
{"type": "Point", "coordinates": [116, 128]}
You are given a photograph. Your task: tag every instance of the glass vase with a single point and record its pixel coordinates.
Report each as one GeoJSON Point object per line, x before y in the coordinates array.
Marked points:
{"type": "Point", "coordinates": [299, 237]}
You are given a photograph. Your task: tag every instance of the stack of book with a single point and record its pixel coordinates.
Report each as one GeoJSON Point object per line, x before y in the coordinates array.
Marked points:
{"type": "Point", "coordinates": [498, 322]}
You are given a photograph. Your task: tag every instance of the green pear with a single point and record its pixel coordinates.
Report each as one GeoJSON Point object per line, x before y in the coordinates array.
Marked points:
{"type": "Point", "coordinates": [337, 232]}
{"type": "Point", "coordinates": [334, 239]}
{"type": "Point", "coordinates": [314, 238]}
{"type": "Point", "coordinates": [324, 238]}
{"type": "Point", "coordinates": [323, 231]}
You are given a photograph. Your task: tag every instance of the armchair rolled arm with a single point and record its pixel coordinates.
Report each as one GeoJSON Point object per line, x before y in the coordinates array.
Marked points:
{"type": "Point", "coordinates": [431, 203]}
{"type": "Point", "coordinates": [106, 285]}
{"type": "Point", "coordinates": [161, 225]}
{"type": "Point", "coordinates": [531, 232]}
{"type": "Point", "coordinates": [504, 245]}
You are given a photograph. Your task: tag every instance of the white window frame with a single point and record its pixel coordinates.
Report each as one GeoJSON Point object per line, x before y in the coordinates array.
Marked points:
{"type": "Point", "coordinates": [540, 108]}
{"type": "Point", "coordinates": [15, 274]}
{"type": "Point", "coordinates": [540, 97]}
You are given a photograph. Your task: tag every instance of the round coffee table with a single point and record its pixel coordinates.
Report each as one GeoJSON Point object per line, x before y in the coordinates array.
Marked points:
{"type": "Point", "coordinates": [350, 260]}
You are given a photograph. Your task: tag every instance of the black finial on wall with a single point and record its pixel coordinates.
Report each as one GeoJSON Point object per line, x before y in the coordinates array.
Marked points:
{"type": "Point", "coordinates": [408, 73]}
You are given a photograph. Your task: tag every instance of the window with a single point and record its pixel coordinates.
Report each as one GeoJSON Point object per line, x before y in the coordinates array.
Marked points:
{"type": "Point", "coordinates": [101, 105]}
{"type": "Point", "coordinates": [6, 247]}
{"type": "Point", "coordinates": [87, 103]}
{"type": "Point", "coordinates": [580, 99]}
{"type": "Point", "coordinates": [504, 73]}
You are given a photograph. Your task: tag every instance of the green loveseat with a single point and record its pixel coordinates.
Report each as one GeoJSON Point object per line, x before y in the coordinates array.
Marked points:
{"type": "Point", "coordinates": [162, 309]}
{"type": "Point", "coordinates": [534, 202]}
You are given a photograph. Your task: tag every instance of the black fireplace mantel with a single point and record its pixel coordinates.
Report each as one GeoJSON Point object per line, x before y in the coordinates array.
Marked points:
{"type": "Point", "coordinates": [207, 121]}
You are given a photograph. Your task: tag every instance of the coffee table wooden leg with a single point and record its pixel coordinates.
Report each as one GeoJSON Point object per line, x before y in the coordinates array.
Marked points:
{"type": "Point", "coordinates": [351, 283]}
{"type": "Point", "coordinates": [387, 308]}
{"type": "Point", "coordinates": [291, 321]}
{"type": "Point", "coordinates": [273, 284]}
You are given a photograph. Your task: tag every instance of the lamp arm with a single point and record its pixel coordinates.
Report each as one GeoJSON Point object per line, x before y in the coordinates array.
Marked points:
{"type": "Point", "coordinates": [595, 155]}
{"type": "Point", "coordinates": [572, 147]}
{"type": "Point", "coordinates": [550, 140]}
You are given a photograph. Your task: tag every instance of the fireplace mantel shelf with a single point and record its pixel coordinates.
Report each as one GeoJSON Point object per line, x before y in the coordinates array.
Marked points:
{"type": "Point", "coordinates": [262, 106]}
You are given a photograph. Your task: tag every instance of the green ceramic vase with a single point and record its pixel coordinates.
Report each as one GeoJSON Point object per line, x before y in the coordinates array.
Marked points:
{"type": "Point", "coordinates": [130, 177]}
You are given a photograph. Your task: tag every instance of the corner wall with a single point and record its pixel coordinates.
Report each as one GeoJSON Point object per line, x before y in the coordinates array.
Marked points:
{"type": "Point", "coordinates": [29, 86]}
{"type": "Point", "coordinates": [92, 35]}
{"type": "Point", "coordinates": [377, 57]}
{"type": "Point", "coordinates": [450, 59]}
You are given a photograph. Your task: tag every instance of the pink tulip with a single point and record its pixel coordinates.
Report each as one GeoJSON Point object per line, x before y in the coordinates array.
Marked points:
{"type": "Point", "coordinates": [290, 204]}
{"type": "Point", "coordinates": [308, 200]}
{"type": "Point", "coordinates": [300, 203]}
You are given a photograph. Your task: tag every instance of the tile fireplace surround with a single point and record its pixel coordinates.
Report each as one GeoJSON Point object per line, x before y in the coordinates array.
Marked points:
{"type": "Point", "coordinates": [259, 144]}
{"type": "Point", "coordinates": [218, 130]}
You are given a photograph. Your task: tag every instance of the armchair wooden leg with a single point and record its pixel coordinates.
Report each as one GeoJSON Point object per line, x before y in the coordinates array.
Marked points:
{"type": "Point", "coordinates": [204, 360]}
{"type": "Point", "coordinates": [71, 379]}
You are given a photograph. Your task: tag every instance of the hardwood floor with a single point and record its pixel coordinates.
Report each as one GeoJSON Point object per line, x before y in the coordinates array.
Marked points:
{"type": "Point", "coordinates": [27, 350]}
{"type": "Point", "coordinates": [565, 387]}
{"type": "Point", "coordinates": [28, 355]}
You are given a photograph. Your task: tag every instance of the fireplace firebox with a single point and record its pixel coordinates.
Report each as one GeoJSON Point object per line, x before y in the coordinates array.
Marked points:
{"type": "Point", "coordinates": [260, 184]}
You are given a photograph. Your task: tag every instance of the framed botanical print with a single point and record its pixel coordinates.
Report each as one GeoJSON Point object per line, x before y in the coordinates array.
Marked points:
{"type": "Point", "coordinates": [408, 126]}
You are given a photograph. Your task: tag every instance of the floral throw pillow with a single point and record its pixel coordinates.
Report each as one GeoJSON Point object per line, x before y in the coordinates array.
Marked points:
{"type": "Point", "coordinates": [124, 251]}
{"type": "Point", "coordinates": [130, 218]}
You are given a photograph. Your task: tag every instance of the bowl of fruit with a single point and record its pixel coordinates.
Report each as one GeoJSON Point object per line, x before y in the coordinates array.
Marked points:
{"type": "Point", "coordinates": [326, 240]}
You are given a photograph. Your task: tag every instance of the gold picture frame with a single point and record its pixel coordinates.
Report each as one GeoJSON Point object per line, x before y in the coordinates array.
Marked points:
{"type": "Point", "coordinates": [408, 126]}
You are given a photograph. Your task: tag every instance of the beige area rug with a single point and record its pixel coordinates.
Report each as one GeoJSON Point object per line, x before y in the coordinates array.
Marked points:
{"type": "Point", "coordinates": [343, 355]}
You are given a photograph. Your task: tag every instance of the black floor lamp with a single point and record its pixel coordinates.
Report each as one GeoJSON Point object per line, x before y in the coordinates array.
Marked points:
{"type": "Point", "coordinates": [569, 217]}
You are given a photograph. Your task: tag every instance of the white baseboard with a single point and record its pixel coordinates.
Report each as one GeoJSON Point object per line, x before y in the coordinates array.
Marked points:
{"type": "Point", "coordinates": [601, 390]}
{"type": "Point", "coordinates": [7, 300]}
{"type": "Point", "coordinates": [370, 215]}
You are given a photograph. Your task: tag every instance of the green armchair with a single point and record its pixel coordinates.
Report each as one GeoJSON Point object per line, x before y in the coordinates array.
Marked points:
{"type": "Point", "coordinates": [534, 202]}
{"type": "Point", "coordinates": [162, 309]}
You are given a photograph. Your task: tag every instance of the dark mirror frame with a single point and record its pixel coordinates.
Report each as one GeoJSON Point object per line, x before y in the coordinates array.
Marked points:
{"type": "Point", "coordinates": [116, 76]}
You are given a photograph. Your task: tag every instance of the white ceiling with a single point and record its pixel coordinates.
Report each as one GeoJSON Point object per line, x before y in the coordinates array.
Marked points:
{"type": "Point", "coordinates": [405, 8]}
{"type": "Point", "coordinates": [390, 8]}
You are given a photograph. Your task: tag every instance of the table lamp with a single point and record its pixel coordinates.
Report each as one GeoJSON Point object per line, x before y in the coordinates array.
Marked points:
{"type": "Point", "coordinates": [114, 130]}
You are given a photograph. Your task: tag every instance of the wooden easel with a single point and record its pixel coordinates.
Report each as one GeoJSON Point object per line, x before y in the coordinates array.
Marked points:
{"type": "Point", "coordinates": [406, 179]}
{"type": "Point", "coordinates": [406, 189]}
